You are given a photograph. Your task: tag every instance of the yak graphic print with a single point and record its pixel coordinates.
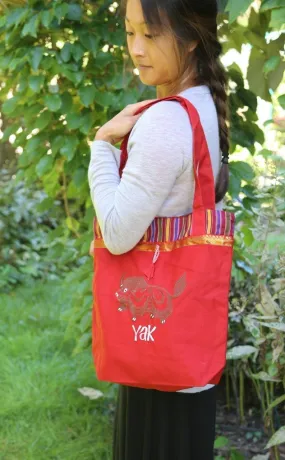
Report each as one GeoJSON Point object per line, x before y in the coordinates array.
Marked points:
{"type": "Point", "coordinates": [141, 298]}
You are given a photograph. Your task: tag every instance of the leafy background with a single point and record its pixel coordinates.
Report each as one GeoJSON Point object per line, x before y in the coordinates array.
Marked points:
{"type": "Point", "coordinates": [64, 72]}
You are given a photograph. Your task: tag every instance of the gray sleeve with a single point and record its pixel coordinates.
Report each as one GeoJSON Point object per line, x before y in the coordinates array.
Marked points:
{"type": "Point", "coordinates": [125, 208]}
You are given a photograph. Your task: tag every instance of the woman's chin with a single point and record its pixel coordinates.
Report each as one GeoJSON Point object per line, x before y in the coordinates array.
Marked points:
{"type": "Point", "coordinates": [148, 80]}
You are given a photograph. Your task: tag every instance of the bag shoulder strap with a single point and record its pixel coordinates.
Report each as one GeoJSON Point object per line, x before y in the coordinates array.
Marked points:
{"type": "Point", "coordinates": [204, 197]}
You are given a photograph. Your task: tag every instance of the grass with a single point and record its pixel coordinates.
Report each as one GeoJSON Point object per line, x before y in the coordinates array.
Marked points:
{"type": "Point", "coordinates": [42, 414]}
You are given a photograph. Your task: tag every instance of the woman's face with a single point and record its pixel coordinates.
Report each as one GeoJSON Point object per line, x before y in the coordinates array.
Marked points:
{"type": "Point", "coordinates": [156, 57]}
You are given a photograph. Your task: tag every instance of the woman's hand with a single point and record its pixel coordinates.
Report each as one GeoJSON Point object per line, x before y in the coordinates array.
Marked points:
{"type": "Point", "coordinates": [117, 128]}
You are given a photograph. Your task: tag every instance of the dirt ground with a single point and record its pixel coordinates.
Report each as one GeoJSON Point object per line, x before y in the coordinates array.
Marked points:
{"type": "Point", "coordinates": [248, 438]}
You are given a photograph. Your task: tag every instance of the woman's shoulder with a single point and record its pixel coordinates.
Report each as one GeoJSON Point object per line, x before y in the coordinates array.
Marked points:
{"type": "Point", "coordinates": [168, 112]}
{"type": "Point", "coordinates": [165, 122]}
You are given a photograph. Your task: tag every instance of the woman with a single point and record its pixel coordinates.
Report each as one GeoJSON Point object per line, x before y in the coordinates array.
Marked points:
{"type": "Point", "coordinates": [175, 47]}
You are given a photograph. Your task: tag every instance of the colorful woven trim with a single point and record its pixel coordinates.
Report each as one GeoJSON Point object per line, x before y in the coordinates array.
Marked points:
{"type": "Point", "coordinates": [169, 229]}
{"type": "Point", "coordinates": [212, 240]}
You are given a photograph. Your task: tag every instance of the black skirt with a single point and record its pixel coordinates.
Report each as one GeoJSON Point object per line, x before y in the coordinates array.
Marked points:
{"type": "Point", "coordinates": [156, 425]}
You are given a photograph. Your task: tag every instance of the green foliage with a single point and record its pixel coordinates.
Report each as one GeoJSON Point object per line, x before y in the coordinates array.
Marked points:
{"type": "Point", "coordinates": [29, 223]}
{"type": "Point", "coordinates": [42, 413]}
{"type": "Point", "coordinates": [223, 445]}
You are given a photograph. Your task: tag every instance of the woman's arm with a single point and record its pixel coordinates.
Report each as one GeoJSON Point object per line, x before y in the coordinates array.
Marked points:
{"type": "Point", "coordinates": [126, 207]}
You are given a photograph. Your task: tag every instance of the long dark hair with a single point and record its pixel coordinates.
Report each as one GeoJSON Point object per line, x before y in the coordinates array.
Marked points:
{"type": "Point", "coordinates": [190, 21]}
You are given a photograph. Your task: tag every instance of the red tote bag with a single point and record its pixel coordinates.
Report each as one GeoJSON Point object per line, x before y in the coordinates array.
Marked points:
{"type": "Point", "coordinates": [160, 313]}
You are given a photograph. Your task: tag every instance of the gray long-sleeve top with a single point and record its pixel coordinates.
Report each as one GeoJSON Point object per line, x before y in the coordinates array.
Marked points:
{"type": "Point", "coordinates": [158, 179]}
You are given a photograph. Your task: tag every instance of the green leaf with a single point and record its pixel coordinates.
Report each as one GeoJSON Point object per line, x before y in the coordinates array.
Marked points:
{"type": "Point", "coordinates": [60, 11]}
{"type": "Point", "coordinates": [241, 351]}
{"type": "Point", "coordinates": [44, 165]}
{"type": "Point", "coordinates": [65, 52]}
{"type": "Point", "coordinates": [87, 95]}
{"type": "Point", "coordinates": [69, 148]}
{"type": "Point", "coordinates": [271, 64]}
{"type": "Point", "coordinates": [275, 403]}
{"type": "Point", "coordinates": [67, 102]}
{"type": "Point", "coordinates": [273, 370]}
{"type": "Point", "coordinates": [281, 100]}
{"type": "Point", "coordinates": [265, 153]}
{"type": "Point", "coordinates": [277, 326]}
{"type": "Point", "coordinates": [235, 74]}
{"type": "Point", "coordinates": [236, 8]}
{"type": "Point", "coordinates": [10, 105]}
{"type": "Point", "coordinates": [89, 41]}
{"type": "Point", "coordinates": [270, 4]}
{"type": "Point", "coordinates": [53, 102]}
{"type": "Point", "coordinates": [43, 120]}
{"type": "Point", "coordinates": [75, 77]}
{"type": "Point", "coordinates": [248, 98]}
{"type": "Point", "coordinates": [74, 120]}
{"type": "Point", "coordinates": [8, 131]}
{"type": "Point", "coordinates": [45, 205]}
{"type": "Point", "coordinates": [242, 170]}
{"type": "Point", "coordinates": [72, 224]}
{"type": "Point", "coordinates": [86, 322]}
{"type": "Point", "coordinates": [221, 442]}
{"type": "Point", "coordinates": [74, 12]}
{"type": "Point", "coordinates": [33, 144]}
{"type": "Point", "coordinates": [277, 18]}
{"type": "Point", "coordinates": [235, 185]}
{"type": "Point", "coordinates": [77, 52]}
{"type": "Point", "coordinates": [36, 82]}
{"type": "Point", "coordinates": [31, 27]}
{"type": "Point", "coordinates": [79, 177]}
{"type": "Point", "coordinates": [255, 76]}
{"type": "Point", "coordinates": [105, 99]}
{"type": "Point", "coordinates": [87, 123]}
{"type": "Point", "coordinates": [256, 39]}
{"type": "Point", "coordinates": [277, 439]}
{"type": "Point", "coordinates": [57, 143]}
{"type": "Point", "coordinates": [17, 16]}
{"type": "Point", "coordinates": [235, 455]}
{"type": "Point", "coordinates": [51, 182]}
{"type": "Point", "coordinates": [47, 17]}
{"type": "Point", "coordinates": [248, 236]}
{"type": "Point", "coordinates": [12, 38]}
{"type": "Point", "coordinates": [36, 57]}
{"type": "Point", "coordinates": [275, 77]}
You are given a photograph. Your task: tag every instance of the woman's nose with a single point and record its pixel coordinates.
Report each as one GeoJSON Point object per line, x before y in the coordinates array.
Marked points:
{"type": "Point", "coordinates": [138, 48]}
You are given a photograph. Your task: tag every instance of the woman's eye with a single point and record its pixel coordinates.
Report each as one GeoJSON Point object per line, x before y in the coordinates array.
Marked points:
{"type": "Point", "coordinates": [129, 33]}
{"type": "Point", "coordinates": [149, 36]}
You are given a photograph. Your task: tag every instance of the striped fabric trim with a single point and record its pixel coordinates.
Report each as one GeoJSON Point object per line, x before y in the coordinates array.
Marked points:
{"type": "Point", "coordinates": [169, 229]}
{"type": "Point", "coordinates": [220, 223]}
{"type": "Point", "coordinates": [213, 240]}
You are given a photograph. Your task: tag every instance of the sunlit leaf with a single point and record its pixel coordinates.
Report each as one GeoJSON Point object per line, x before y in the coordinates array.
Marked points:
{"type": "Point", "coordinates": [277, 326]}
{"type": "Point", "coordinates": [237, 8]}
{"type": "Point", "coordinates": [221, 442]}
{"type": "Point", "coordinates": [241, 351]}
{"type": "Point", "coordinates": [277, 439]}
{"type": "Point", "coordinates": [281, 100]}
